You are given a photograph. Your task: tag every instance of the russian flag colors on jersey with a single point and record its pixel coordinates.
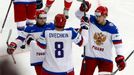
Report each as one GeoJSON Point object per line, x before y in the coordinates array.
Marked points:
{"type": "Point", "coordinates": [36, 55]}
{"type": "Point", "coordinates": [102, 39]}
{"type": "Point", "coordinates": [34, 30]}
{"type": "Point", "coordinates": [58, 44]}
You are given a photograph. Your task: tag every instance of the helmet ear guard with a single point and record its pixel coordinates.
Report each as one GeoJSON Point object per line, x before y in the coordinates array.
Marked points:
{"type": "Point", "coordinates": [60, 21]}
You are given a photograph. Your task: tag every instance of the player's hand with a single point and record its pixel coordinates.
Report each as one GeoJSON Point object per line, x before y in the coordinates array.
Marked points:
{"type": "Point", "coordinates": [85, 19]}
{"type": "Point", "coordinates": [120, 62]}
{"type": "Point", "coordinates": [29, 39]}
{"type": "Point", "coordinates": [85, 6]}
{"type": "Point", "coordinates": [39, 4]}
{"type": "Point", "coordinates": [11, 47]}
{"type": "Point", "coordinates": [84, 23]}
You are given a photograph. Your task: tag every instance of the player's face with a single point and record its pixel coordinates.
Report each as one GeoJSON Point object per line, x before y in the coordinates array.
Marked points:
{"type": "Point", "coordinates": [41, 20]}
{"type": "Point", "coordinates": [101, 19]}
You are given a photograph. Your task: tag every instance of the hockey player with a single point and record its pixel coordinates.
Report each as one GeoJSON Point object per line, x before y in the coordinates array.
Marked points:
{"type": "Point", "coordinates": [67, 5]}
{"type": "Point", "coordinates": [24, 12]}
{"type": "Point", "coordinates": [58, 44]}
{"type": "Point", "coordinates": [103, 35]}
{"type": "Point", "coordinates": [34, 30]}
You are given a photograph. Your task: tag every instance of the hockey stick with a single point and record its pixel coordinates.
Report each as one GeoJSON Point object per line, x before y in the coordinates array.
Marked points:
{"type": "Point", "coordinates": [6, 16]}
{"type": "Point", "coordinates": [125, 61]}
{"type": "Point", "coordinates": [9, 35]}
{"type": "Point", "coordinates": [84, 62]}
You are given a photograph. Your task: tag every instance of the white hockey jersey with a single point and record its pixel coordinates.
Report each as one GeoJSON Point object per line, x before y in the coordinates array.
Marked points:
{"type": "Point", "coordinates": [58, 57]}
{"type": "Point", "coordinates": [33, 30]}
{"type": "Point", "coordinates": [102, 39]}
{"type": "Point", "coordinates": [36, 56]}
{"type": "Point", "coordinates": [24, 1]}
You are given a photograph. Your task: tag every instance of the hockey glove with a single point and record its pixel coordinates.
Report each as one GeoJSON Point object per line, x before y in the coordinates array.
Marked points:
{"type": "Point", "coordinates": [39, 4]}
{"type": "Point", "coordinates": [11, 47]}
{"type": "Point", "coordinates": [120, 62]}
{"type": "Point", "coordinates": [84, 23]}
{"type": "Point", "coordinates": [85, 19]}
{"type": "Point", "coordinates": [29, 39]}
{"type": "Point", "coordinates": [85, 6]}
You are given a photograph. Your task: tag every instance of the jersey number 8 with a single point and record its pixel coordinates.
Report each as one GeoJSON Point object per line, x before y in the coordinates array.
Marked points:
{"type": "Point", "coordinates": [59, 52]}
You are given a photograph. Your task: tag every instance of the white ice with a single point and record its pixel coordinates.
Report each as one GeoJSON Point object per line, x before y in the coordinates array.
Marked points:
{"type": "Point", "coordinates": [121, 13]}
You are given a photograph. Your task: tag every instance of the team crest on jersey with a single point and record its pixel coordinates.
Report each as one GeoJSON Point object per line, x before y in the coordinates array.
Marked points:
{"type": "Point", "coordinates": [99, 38]}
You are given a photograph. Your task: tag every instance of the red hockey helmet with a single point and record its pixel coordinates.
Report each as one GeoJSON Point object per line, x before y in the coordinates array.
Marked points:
{"type": "Point", "coordinates": [41, 13]}
{"type": "Point", "coordinates": [60, 20]}
{"type": "Point", "coordinates": [101, 10]}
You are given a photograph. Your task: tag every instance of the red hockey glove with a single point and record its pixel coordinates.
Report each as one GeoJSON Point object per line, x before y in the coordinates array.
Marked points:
{"type": "Point", "coordinates": [85, 7]}
{"type": "Point", "coordinates": [120, 62]}
{"type": "Point", "coordinates": [11, 47]}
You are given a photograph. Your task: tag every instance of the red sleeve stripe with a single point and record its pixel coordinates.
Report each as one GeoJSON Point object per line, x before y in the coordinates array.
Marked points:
{"type": "Point", "coordinates": [81, 42]}
{"type": "Point", "coordinates": [43, 46]}
{"type": "Point", "coordinates": [117, 41]}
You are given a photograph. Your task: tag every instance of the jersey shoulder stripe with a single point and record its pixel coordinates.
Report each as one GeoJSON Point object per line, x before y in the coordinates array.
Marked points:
{"type": "Point", "coordinates": [108, 27]}
{"type": "Point", "coordinates": [35, 28]}
{"type": "Point", "coordinates": [74, 32]}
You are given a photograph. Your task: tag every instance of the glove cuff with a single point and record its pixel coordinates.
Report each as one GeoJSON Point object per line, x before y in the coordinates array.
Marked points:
{"type": "Point", "coordinates": [119, 58]}
{"type": "Point", "coordinates": [13, 45]}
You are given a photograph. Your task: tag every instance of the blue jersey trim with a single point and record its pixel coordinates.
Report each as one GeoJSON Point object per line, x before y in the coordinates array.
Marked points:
{"type": "Point", "coordinates": [108, 27]}
{"type": "Point", "coordinates": [20, 28]}
{"type": "Point", "coordinates": [74, 32]}
{"type": "Point", "coordinates": [56, 73]}
{"type": "Point", "coordinates": [35, 28]}
{"type": "Point", "coordinates": [116, 40]}
{"type": "Point", "coordinates": [98, 58]}
{"type": "Point", "coordinates": [49, 26]}
{"type": "Point", "coordinates": [20, 38]}
{"type": "Point", "coordinates": [43, 34]}
{"type": "Point", "coordinates": [34, 2]}
{"type": "Point", "coordinates": [41, 45]}
{"type": "Point", "coordinates": [37, 63]}
{"type": "Point", "coordinates": [81, 42]}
